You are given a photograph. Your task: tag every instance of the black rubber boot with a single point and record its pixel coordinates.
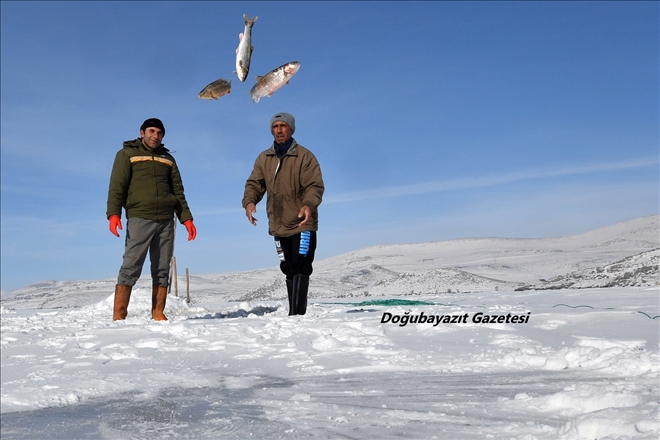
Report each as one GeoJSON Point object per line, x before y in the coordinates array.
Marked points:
{"type": "Point", "coordinates": [289, 290]}
{"type": "Point", "coordinates": [299, 294]}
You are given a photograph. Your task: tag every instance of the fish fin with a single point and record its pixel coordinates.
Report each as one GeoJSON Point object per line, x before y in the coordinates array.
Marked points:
{"type": "Point", "coordinates": [257, 78]}
{"type": "Point", "coordinates": [240, 38]}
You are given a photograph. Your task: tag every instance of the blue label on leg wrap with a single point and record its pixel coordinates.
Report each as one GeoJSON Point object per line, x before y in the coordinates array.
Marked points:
{"type": "Point", "coordinates": [305, 238]}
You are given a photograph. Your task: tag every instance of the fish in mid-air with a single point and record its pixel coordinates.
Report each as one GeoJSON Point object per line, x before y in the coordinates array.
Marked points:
{"type": "Point", "coordinates": [268, 84]}
{"type": "Point", "coordinates": [216, 89]}
{"type": "Point", "coordinates": [244, 50]}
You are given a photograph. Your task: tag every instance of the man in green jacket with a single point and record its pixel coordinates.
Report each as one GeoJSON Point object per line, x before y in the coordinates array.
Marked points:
{"type": "Point", "coordinates": [291, 176]}
{"type": "Point", "coordinates": [146, 183]}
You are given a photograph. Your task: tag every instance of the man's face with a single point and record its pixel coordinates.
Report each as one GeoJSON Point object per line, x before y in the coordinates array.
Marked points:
{"type": "Point", "coordinates": [281, 132]}
{"type": "Point", "coordinates": [152, 137]}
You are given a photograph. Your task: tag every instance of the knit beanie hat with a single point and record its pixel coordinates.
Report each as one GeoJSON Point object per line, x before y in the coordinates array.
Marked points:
{"type": "Point", "coordinates": [153, 122]}
{"type": "Point", "coordinates": [286, 118]}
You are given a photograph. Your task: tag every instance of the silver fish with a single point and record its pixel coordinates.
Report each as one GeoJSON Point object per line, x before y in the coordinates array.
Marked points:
{"type": "Point", "coordinates": [244, 50]}
{"type": "Point", "coordinates": [267, 85]}
{"type": "Point", "coordinates": [216, 89]}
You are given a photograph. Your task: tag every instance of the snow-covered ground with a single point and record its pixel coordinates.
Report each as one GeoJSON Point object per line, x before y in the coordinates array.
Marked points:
{"type": "Point", "coordinates": [406, 359]}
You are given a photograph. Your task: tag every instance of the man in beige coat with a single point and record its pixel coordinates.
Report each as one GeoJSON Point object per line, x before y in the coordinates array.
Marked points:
{"type": "Point", "coordinates": [291, 176]}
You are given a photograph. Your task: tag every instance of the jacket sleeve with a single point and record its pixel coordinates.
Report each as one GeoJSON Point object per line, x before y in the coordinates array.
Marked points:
{"type": "Point", "coordinates": [312, 182]}
{"type": "Point", "coordinates": [182, 210]}
{"type": "Point", "coordinates": [255, 187]}
{"type": "Point", "coordinates": [120, 179]}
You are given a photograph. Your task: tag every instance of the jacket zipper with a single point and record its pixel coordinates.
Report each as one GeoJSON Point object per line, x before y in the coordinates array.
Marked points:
{"type": "Point", "coordinates": [153, 175]}
{"type": "Point", "coordinates": [277, 170]}
{"type": "Point", "coordinates": [279, 162]}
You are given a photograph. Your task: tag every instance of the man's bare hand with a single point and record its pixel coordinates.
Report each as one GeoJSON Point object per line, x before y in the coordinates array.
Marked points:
{"type": "Point", "coordinates": [249, 210]}
{"type": "Point", "coordinates": [305, 212]}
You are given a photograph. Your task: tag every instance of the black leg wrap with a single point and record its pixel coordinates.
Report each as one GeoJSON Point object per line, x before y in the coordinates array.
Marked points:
{"type": "Point", "coordinates": [299, 294]}
{"type": "Point", "coordinates": [289, 289]}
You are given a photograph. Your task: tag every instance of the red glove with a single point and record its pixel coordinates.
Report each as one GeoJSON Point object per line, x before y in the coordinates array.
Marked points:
{"type": "Point", "coordinates": [192, 230]}
{"type": "Point", "coordinates": [115, 222]}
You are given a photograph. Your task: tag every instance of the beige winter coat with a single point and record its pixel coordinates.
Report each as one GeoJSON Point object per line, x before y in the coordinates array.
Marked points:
{"type": "Point", "coordinates": [291, 182]}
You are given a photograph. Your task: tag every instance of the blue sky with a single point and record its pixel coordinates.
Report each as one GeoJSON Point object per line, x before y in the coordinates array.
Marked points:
{"type": "Point", "coordinates": [431, 121]}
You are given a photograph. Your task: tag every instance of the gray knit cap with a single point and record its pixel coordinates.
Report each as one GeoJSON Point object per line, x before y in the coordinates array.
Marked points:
{"type": "Point", "coordinates": [286, 118]}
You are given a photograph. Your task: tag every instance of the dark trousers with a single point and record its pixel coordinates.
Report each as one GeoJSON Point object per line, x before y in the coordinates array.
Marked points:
{"type": "Point", "coordinates": [296, 253]}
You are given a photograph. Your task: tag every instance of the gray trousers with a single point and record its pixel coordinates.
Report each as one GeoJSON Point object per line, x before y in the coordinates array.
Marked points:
{"type": "Point", "coordinates": [142, 236]}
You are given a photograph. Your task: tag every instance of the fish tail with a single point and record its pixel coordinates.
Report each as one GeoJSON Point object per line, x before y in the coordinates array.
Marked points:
{"type": "Point", "coordinates": [248, 20]}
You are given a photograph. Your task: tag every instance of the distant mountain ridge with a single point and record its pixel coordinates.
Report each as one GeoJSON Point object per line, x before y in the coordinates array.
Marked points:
{"type": "Point", "coordinates": [623, 254]}
{"type": "Point", "coordinates": [641, 270]}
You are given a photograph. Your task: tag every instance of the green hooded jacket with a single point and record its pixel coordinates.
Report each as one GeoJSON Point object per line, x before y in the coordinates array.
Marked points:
{"type": "Point", "coordinates": [146, 184]}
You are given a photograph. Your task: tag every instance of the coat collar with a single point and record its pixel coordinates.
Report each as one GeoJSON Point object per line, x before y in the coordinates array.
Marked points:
{"type": "Point", "coordinates": [292, 151]}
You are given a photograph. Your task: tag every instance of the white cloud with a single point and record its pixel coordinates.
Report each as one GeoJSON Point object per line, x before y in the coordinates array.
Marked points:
{"type": "Point", "coordinates": [486, 181]}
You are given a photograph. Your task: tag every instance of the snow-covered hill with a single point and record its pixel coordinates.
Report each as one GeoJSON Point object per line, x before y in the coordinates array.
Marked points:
{"type": "Point", "coordinates": [641, 270]}
{"type": "Point", "coordinates": [513, 260]}
{"type": "Point", "coordinates": [622, 254]}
